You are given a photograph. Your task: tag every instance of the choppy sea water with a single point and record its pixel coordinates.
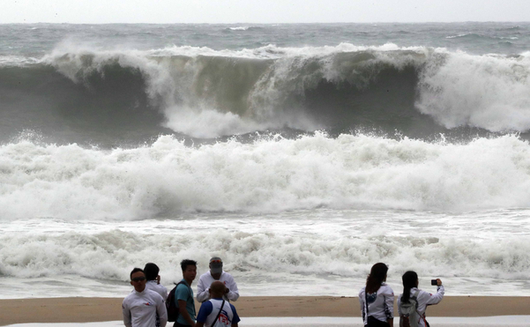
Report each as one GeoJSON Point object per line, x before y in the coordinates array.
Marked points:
{"type": "Point", "coordinates": [301, 154]}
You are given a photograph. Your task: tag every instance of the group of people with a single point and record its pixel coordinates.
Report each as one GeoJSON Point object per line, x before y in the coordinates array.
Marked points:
{"type": "Point", "coordinates": [377, 300]}
{"type": "Point", "coordinates": [146, 305]}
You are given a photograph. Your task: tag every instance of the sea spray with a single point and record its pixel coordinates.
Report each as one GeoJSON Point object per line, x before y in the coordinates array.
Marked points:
{"type": "Point", "coordinates": [489, 92]}
{"type": "Point", "coordinates": [248, 251]}
{"type": "Point", "coordinates": [310, 88]}
{"type": "Point", "coordinates": [271, 174]}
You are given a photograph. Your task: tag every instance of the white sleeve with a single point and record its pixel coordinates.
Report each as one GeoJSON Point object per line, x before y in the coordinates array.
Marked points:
{"type": "Point", "coordinates": [389, 300]}
{"type": "Point", "coordinates": [233, 294]}
{"type": "Point", "coordinates": [126, 314]}
{"type": "Point", "coordinates": [165, 292]}
{"type": "Point", "coordinates": [361, 303]}
{"type": "Point", "coordinates": [162, 311]}
{"type": "Point", "coordinates": [202, 291]}
{"type": "Point", "coordinates": [437, 297]}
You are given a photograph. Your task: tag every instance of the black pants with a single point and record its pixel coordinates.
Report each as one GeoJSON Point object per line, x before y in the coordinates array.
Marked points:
{"type": "Point", "coordinates": [176, 324]}
{"type": "Point", "coordinates": [372, 322]}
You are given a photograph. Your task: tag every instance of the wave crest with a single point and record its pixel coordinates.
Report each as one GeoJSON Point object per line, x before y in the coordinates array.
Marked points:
{"type": "Point", "coordinates": [418, 92]}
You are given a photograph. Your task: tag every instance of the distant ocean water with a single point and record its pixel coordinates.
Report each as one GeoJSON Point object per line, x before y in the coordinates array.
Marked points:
{"type": "Point", "coordinates": [301, 154]}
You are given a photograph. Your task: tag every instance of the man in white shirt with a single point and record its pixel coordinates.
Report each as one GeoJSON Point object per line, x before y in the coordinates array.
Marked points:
{"type": "Point", "coordinates": [151, 271]}
{"type": "Point", "coordinates": [141, 307]}
{"type": "Point", "coordinates": [216, 273]}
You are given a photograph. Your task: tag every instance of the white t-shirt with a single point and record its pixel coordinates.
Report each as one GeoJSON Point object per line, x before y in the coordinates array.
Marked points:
{"type": "Point", "coordinates": [206, 280]}
{"type": "Point", "coordinates": [160, 289]}
{"type": "Point", "coordinates": [140, 309]}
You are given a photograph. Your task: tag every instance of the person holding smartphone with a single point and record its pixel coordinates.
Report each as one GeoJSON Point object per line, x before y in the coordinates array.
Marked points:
{"type": "Point", "coordinates": [422, 298]}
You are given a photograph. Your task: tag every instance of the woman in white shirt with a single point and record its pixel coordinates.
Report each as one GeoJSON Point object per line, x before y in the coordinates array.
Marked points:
{"type": "Point", "coordinates": [424, 299]}
{"type": "Point", "coordinates": [377, 299]}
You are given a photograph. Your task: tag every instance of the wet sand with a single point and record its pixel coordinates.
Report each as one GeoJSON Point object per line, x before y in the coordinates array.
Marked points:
{"type": "Point", "coordinates": [17, 311]}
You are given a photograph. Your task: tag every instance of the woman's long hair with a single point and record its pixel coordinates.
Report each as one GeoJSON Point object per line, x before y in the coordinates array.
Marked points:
{"type": "Point", "coordinates": [376, 278]}
{"type": "Point", "coordinates": [410, 280]}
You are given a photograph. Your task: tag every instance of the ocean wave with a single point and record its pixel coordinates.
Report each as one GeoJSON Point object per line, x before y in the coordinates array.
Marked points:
{"type": "Point", "coordinates": [488, 92]}
{"type": "Point", "coordinates": [416, 91]}
{"type": "Point", "coordinates": [270, 174]}
{"type": "Point", "coordinates": [17, 61]}
{"type": "Point", "coordinates": [471, 36]}
{"type": "Point", "coordinates": [240, 28]}
{"type": "Point", "coordinates": [510, 28]}
{"type": "Point", "coordinates": [457, 36]}
{"type": "Point", "coordinates": [110, 255]}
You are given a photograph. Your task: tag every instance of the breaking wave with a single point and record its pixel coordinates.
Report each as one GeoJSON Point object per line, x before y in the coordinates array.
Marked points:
{"type": "Point", "coordinates": [203, 93]}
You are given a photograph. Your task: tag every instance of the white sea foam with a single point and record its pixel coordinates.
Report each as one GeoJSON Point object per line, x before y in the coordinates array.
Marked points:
{"type": "Point", "coordinates": [268, 175]}
{"type": "Point", "coordinates": [332, 250]}
{"type": "Point", "coordinates": [327, 243]}
{"type": "Point", "coordinates": [489, 92]}
{"type": "Point", "coordinates": [314, 209]}
{"type": "Point", "coordinates": [239, 28]}
{"type": "Point", "coordinates": [257, 251]}
{"type": "Point", "coordinates": [17, 61]}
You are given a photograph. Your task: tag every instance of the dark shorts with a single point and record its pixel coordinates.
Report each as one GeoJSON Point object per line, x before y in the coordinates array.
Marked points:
{"type": "Point", "coordinates": [176, 324]}
{"type": "Point", "coordinates": [372, 322]}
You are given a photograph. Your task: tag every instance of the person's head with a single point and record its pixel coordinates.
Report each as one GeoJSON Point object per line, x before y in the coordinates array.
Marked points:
{"type": "Point", "coordinates": [138, 279]}
{"type": "Point", "coordinates": [151, 271]}
{"type": "Point", "coordinates": [410, 280]}
{"type": "Point", "coordinates": [376, 278]}
{"type": "Point", "coordinates": [216, 267]}
{"type": "Point", "coordinates": [189, 269]}
{"type": "Point", "coordinates": [217, 289]}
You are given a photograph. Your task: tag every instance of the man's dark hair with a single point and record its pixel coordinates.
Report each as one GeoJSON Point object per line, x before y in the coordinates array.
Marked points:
{"type": "Point", "coordinates": [187, 262]}
{"type": "Point", "coordinates": [135, 270]}
{"type": "Point", "coordinates": [151, 270]}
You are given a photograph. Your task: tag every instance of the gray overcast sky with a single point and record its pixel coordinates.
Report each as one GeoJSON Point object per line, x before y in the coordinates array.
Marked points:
{"type": "Point", "coordinates": [261, 11]}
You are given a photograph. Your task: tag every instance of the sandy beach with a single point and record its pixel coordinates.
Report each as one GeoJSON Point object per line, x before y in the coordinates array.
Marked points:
{"type": "Point", "coordinates": [71, 310]}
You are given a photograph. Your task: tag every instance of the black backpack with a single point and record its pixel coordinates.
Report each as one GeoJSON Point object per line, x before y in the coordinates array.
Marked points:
{"type": "Point", "coordinates": [172, 306]}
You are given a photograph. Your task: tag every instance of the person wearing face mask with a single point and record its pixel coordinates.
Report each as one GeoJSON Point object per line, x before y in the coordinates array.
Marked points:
{"type": "Point", "coordinates": [216, 273]}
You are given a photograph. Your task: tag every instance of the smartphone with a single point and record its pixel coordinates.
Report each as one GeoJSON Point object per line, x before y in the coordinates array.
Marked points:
{"type": "Point", "coordinates": [434, 282]}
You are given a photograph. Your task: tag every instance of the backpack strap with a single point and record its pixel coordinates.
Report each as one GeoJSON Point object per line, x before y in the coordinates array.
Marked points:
{"type": "Point", "coordinates": [416, 298]}
{"type": "Point", "coordinates": [366, 302]}
{"type": "Point", "coordinates": [182, 282]}
{"type": "Point", "coordinates": [220, 309]}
